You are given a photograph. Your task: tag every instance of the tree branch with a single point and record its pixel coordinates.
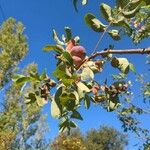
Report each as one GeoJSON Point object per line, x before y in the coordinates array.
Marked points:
{"type": "Point", "coordinates": [120, 52]}
{"type": "Point", "coordinates": [126, 51]}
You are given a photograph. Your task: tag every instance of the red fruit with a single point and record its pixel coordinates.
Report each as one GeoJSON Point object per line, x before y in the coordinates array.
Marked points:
{"type": "Point", "coordinates": [70, 45]}
{"type": "Point", "coordinates": [78, 51]}
{"type": "Point", "coordinates": [77, 60]}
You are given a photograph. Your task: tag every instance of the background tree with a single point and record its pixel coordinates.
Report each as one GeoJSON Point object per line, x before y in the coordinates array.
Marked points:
{"type": "Point", "coordinates": [19, 121]}
{"type": "Point", "coordinates": [13, 47]}
{"type": "Point", "coordinates": [104, 138]}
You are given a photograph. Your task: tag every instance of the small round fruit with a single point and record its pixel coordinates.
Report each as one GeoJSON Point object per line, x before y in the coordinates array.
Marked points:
{"type": "Point", "coordinates": [78, 51]}
{"type": "Point", "coordinates": [77, 60]}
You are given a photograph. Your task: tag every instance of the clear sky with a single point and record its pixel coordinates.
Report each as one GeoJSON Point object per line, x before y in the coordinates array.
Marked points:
{"type": "Point", "coordinates": [39, 18]}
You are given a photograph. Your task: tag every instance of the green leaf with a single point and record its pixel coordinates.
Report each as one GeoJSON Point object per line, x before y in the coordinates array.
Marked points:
{"type": "Point", "coordinates": [87, 101]}
{"type": "Point", "coordinates": [56, 107]}
{"type": "Point", "coordinates": [113, 103]}
{"type": "Point", "coordinates": [71, 105]}
{"type": "Point", "coordinates": [69, 100]}
{"type": "Point", "coordinates": [115, 62]}
{"type": "Point", "coordinates": [63, 125]}
{"type": "Point", "coordinates": [124, 65]}
{"type": "Point", "coordinates": [87, 74]}
{"type": "Point", "coordinates": [132, 67]}
{"type": "Point", "coordinates": [55, 37]}
{"type": "Point", "coordinates": [65, 79]}
{"type": "Point", "coordinates": [67, 57]}
{"type": "Point", "coordinates": [34, 77]}
{"type": "Point", "coordinates": [121, 63]}
{"type": "Point", "coordinates": [16, 77]}
{"type": "Point", "coordinates": [118, 21]}
{"type": "Point", "coordinates": [76, 115]}
{"type": "Point", "coordinates": [60, 74]}
{"type": "Point", "coordinates": [132, 13]}
{"type": "Point", "coordinates": [72, 124]}
{"type": "Point", "coordinates": [68, 34]}
{"type": "Point", "coordinates": [137, 3]}
{"type": "Point", "coordinates": [55, 110]}
{"type": "Point", "coordinates": [56, 48]}
{"type": "Point", "coordinates": [123, 24]}
{"type": "Point", "coordinates": [94, 23]}
{"type": "Point", "coordinates": [23, 80]}
{"type": "Point", "coordinates": [82, 89]}
{"type": "Point", "coordinates": [147, 92]}
{"type": "Point", "coordinates": [66, 97]}
{"type": "Point", "coordinates": [114, 34]}
{"type": "Point", "coordinates": [106, 12]}
{"type": "Point", "coordinates": [68, 82]}
{"type": "Point", "coordinates": [77, 100]}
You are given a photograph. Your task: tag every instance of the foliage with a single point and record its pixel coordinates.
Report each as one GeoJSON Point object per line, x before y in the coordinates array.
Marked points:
{"type": "Point", "coordinates": [105, 138]}
{"type": "Point", "coordinates": [100, 139]}
{"type": "Point", "coordinates": [128, 17]}
{"type": "Point", "coordinates": [65, 142]}
{"type": "Point", "coordinates": [6, 138]}
{"type": "Point", "coordinates": [13, 47]}
{"type": "Point", "coordinates": [19, 120]}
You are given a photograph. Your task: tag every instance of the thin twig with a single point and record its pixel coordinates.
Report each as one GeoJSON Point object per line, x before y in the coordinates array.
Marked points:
{"type": "Point", "coordinates": [100, 38]}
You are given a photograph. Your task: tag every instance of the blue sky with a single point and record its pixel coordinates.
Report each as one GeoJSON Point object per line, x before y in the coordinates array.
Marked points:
{"type": "Point", "coordinates": [39, 18]}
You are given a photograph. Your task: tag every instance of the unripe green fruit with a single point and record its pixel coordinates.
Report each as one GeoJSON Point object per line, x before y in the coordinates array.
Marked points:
{"type": "Point", "coordinates": [77, 60]}
{"type": "Point", "coordinates": [78, 51]}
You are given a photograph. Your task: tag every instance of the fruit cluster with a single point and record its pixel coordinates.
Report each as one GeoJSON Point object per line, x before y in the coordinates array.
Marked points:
{"type": "Point", "coordinates": [77, 52]}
